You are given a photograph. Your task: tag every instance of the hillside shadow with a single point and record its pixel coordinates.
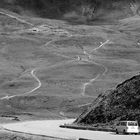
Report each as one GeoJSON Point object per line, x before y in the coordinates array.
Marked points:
{"type": "Point", "coordinates": [114, 133]}
{"type": "Point", "coordinates": [53, 16]}
{"type": "Point", "coordinates": [93, 22]}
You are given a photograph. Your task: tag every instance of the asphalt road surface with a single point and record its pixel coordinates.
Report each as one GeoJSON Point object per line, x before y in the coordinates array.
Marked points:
{"type": "Point", "coordinates": [51, 128]}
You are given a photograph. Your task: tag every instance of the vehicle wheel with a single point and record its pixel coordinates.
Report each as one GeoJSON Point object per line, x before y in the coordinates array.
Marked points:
{"type": "Point", "coordinates": [124, 132]}
{"type": "Point", "coordinates": [117, 131]}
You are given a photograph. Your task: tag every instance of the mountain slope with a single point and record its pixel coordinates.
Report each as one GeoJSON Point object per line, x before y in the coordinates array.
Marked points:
{"type": "Point", "coordinates": [122, 103]}
{"type": "Point", "coordinates": [89, 9]}
{"type": "Point", "coordinates": [72, 62]}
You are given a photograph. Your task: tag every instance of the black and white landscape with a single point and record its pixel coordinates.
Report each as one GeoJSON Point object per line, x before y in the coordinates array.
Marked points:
{"type": "Point", "coordinates": [58, 56]}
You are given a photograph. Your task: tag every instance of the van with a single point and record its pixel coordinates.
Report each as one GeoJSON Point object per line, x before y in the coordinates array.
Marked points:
{"type": "Point", "coordinates": [127, 127]}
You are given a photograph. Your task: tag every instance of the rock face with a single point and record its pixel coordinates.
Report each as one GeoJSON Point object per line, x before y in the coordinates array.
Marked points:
{"type": "Point", "coordinates": [122, 103]}
{"type": "Point", "coordinates": [89, 9]}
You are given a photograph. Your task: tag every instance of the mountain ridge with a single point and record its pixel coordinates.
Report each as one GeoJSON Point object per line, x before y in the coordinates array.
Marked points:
{"type": "Point", "coordinates": [80, 9]}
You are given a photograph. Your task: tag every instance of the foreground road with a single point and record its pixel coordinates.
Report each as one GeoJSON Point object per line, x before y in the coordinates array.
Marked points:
{"type": "Point", "coordinates": [51, 128]}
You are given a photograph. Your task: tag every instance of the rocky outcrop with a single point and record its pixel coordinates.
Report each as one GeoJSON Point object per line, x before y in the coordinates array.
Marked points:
{"type": "Point", "coordinates": [122, 103]}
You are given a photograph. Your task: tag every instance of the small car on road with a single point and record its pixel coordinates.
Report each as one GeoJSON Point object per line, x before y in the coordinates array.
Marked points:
{"type": "Point", "coordinates": [127, 127]}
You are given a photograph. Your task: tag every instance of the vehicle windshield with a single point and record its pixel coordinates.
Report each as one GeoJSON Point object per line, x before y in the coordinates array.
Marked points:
{"type": "Point", "coordinates": [123, 123]}
{"type": "Point", "coordinates": [132, 123]}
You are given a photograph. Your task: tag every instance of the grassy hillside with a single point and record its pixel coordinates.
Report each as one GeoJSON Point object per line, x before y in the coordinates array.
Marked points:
{"type": "Point", "coordinates": [71, 61]}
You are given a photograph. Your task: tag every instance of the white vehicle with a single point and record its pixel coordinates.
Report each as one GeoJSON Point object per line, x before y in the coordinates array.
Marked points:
{"type": "Point", "coordinates": [127, 127]}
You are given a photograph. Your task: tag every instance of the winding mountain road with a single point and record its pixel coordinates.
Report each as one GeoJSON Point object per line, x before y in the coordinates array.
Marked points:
{"type": "Point", "coordinates": [29, 92]}
{"type": "Point", "coordinates": [88, 83]}
{"type": "Point", "coordinates": [37, 79]}
{"type": "Point", "coordinates": [51, 128]}
{"type": "Point", "coordinates": [90, 60]}
{"type": "Point", "coordinates": [62, 63]}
